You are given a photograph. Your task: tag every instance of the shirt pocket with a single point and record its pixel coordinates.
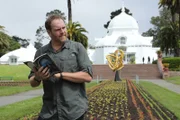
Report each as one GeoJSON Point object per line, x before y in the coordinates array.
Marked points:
{"type": "Point", "coordinates": [69, 63]}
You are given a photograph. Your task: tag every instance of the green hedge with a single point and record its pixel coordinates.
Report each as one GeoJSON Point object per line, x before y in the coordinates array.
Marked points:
{"type": "Point", "coordinates": [154, 62]}
{"type": "Point", "coordinates": [174, 63]}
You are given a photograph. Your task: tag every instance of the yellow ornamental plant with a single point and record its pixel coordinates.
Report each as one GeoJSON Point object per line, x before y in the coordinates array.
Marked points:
{"type": "Point", "coordinates": [166, 66]}
{"type": "Point", "coordinates": [159, 53]}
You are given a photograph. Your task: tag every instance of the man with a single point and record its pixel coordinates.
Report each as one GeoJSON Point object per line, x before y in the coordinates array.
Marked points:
{"type": "Point", "coordinates": [64, 93]}
{"type": "Point", "coordinates": [143, 60]}
{"type": "Point", "coordinates": [149, 60]}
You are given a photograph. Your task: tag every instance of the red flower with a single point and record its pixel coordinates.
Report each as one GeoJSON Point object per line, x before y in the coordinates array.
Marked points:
{"type": "Point", "coordinates": [165, 69]}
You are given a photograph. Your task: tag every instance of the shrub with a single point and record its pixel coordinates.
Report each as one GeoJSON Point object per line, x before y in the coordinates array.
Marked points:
{"type": "Point", "coordinates": [174, 63]}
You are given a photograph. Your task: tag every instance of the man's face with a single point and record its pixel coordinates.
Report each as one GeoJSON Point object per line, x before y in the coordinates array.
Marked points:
{"type": "Point", "coordinates": [58, 30]}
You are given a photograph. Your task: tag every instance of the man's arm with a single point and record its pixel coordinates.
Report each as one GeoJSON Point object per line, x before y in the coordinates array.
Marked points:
{"type": "Point", "coordinates": [34, 82]}
{"type": "Point", "coordinates": [39, 75]}
{"type": "Point", "coordinates": [77, 77]}
{"type": "Point", "coordinates": [85, 66]}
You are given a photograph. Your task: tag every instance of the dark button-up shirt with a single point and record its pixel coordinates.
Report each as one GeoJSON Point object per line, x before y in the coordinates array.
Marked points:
{"type": "Point", "coordinates": [62, 99]}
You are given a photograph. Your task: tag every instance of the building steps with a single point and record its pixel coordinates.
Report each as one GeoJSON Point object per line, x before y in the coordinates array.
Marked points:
{"type": "Point", "coordinates": [129, 71]}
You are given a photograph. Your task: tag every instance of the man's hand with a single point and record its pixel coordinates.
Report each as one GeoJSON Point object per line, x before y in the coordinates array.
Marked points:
{"type": "Point", "coordinates": [57, 75]}
{"type": "Point", "coordinates": [41, 73]}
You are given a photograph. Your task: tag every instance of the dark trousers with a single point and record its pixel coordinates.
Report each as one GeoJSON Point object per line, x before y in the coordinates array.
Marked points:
{"type": "Point", "coordinates": [80, 118]}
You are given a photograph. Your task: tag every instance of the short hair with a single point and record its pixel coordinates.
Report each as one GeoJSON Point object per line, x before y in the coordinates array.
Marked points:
{"type": "Point", "coordinates": [50, 19]}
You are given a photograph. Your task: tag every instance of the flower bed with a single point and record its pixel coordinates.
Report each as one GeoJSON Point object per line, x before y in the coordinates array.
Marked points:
{"type": "Point", "coordinates": [124, 101]}
{"type": "Point", "coordinates": [16, 83]}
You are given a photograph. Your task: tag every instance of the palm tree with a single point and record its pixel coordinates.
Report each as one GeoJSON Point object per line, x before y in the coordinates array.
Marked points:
{"type": "Point", "coordinates": [76, 33]}
{"type": "Point", "coordinates": [2, 28]}
{"type": "Point", "coordinates": [69, 10]}
{"type": "Point", "coordinates": [174, 6]}
{"type": "Point", "coordinates": [169, 38]}
{"type": "Point", "coordinates": [4, 38]}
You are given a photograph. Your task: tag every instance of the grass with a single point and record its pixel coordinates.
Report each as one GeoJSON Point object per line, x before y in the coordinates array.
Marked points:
{"type": "Point", "coordinates": [29, 107]}
{"type": "Point", "coordinates": [174, 80]}
{"type": "Point", "coordinates": [19, 109]}
{"type": "Point", "coordinates": [32, 106]}
{"type": "Point", "coordinates": [92, 83]}
{"type": "Point", "coordinates": [18, 72]}
{"type": "Point", "coordinates": [167, 98]}
{"type": "Point", "coordinates": [10, 90]}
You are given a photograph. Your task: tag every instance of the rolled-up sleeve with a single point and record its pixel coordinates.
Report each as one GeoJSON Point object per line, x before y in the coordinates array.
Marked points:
{"type": "Point", "coordinates": [83, 60]}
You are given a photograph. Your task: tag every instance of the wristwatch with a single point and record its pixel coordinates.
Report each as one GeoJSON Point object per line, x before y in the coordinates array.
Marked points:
{"type": "Point", "coordinates": [37, 80]}
{"type": "Point", "coordinates": [61, 77]}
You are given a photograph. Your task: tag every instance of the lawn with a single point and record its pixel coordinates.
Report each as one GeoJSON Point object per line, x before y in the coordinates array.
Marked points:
{"type": "Point", "coordinates": [20, 109]}
{"type": "Point", "coordinates": [167, 98]}
{"type": "Point", "coordinates": [29, 107]}
{"type": "Point", "coordinates": [174, 80]}
{"type": "Point", "coordinates": [10, 90]}
{"type": "Point", "coordinates": [32, 106]}
{"type": "Point", "coordinates": [18, 72]}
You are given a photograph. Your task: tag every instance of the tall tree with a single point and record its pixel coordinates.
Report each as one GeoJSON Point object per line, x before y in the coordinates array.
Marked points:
{"type": "Point", "coordinates": [168, 37]}
{"type": "Point", "coordinates": [4, 40]}
{"type": "Point", "coordinates": [56, 12]}
{"type": "Point", "coordinates": [2, 28]}
{"type": "Point", "coordinates": [77, 33]}
{"type": "Point", "coordinates": [163, 19]}
{"type": "Point", "coordinates": [152, 32]}
{"type": "Point", "coordinates": [115, 13]}
{"type": "Point", "coordinates": [41, 33]}
{"type": "Point", "coordinates": [23, 42]}
{"type": "Point", "coordinates": [40, 36]}
{"type": "Point", "coordinates": [174, 6]}
{"type": "Point", "coordinates": [69, 6]}
{"type": "Point", "coordinates": [7, 43]}
{"type": "Point", "coordinates": [164, 31]}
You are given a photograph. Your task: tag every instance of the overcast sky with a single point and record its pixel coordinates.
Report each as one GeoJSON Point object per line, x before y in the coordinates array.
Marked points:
{"type": "Point", "coordinates": [23, 17]}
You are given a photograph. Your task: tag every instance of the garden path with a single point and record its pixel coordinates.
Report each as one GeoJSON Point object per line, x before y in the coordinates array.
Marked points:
{"type": "Point", "coordinates": [5, 100]}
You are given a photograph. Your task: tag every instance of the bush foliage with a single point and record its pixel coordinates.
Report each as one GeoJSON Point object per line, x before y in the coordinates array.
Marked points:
{"type": "Point", "coordinates": [174, 63]}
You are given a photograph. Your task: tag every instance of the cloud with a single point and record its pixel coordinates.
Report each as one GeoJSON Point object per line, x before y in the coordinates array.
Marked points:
{"type": "Point", "coordinates": [22, 18]}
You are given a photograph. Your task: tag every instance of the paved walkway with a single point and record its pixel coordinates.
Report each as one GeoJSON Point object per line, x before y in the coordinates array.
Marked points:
{"type": "Point", "coordinates": [5, 100]}
{"type": "Point", "coordinates": [167, 85]}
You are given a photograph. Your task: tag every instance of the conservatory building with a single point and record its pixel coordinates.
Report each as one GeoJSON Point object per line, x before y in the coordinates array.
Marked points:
{"type": "Point", "coordinates": [123, 33]}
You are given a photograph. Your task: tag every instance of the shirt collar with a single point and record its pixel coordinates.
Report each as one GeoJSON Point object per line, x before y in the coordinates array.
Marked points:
{"type": "Point", "coordinates": [66, 45]}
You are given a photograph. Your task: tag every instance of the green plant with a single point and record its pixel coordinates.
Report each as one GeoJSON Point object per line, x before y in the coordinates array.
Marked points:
{"type": "Point", "coordinates": [132, 60]}
{"type": "Point", "coordinates": [166, 65]}
{"type": "Point", "coordinates": [159, 52]}
{"type": "Point", "coordinates": [174, 63]}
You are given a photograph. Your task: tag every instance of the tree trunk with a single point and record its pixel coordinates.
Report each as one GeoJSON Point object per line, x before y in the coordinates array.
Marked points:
{"type": "Point", "coordinates": [173, 15]}
{"type": "Point", "coordinates": [178, 8]}
{"type": "Point", "coordinates": [69, 11]}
